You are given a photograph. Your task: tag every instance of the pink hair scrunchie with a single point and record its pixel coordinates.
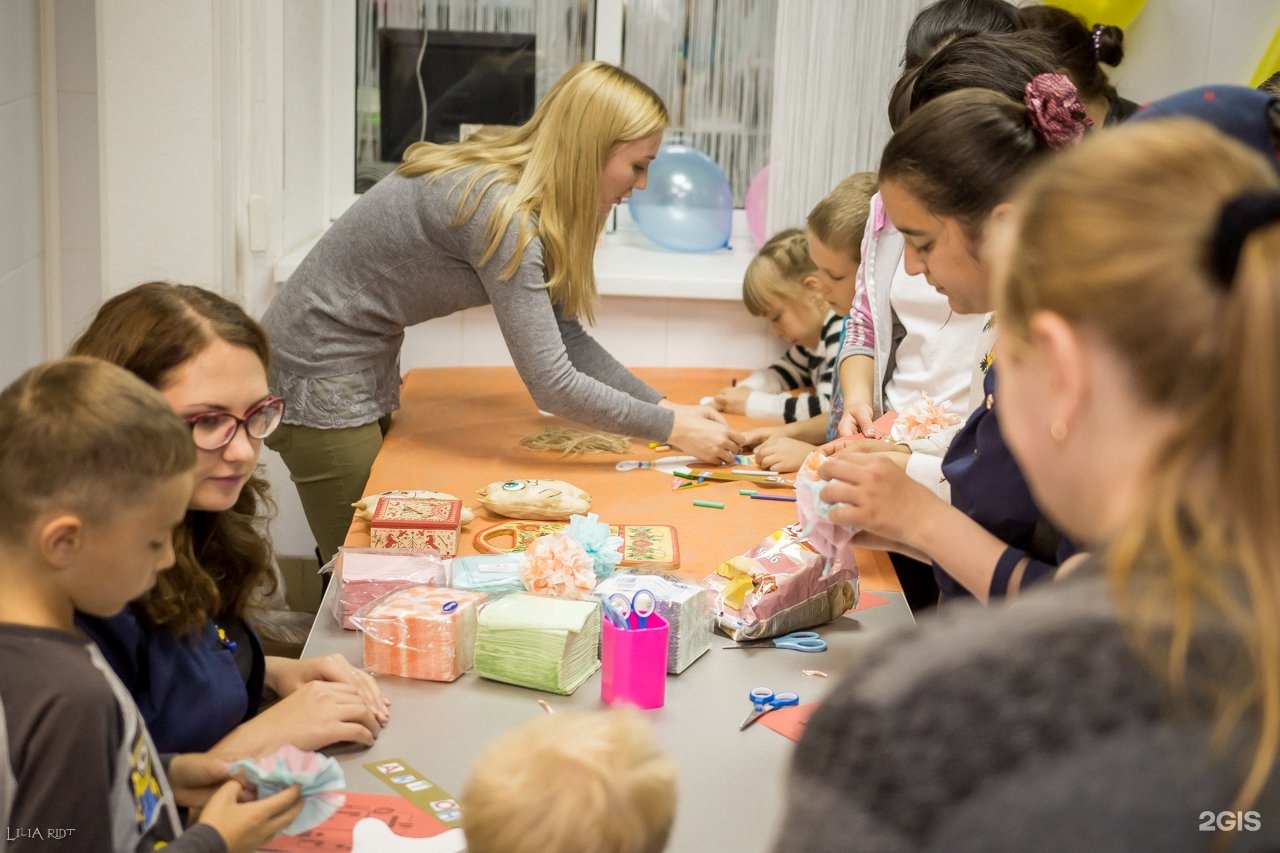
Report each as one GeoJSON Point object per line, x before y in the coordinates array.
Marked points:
{"type": "Point", "coordinates": [1055, 111]}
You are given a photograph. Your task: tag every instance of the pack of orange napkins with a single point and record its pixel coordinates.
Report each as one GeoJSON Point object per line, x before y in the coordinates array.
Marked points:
{"type": "Point", "coordinates": [426, 632]}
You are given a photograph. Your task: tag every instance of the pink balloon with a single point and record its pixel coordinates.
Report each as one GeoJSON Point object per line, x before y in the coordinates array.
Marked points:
{"type": "Point", "coordinates": [757, 205]}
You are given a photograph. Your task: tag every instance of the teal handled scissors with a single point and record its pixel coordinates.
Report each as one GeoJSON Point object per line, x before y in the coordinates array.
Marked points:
{"type": "Point", "coordinates": [764, 700]}
{"type": "Point", "coordinates": [642, 603]}
{"type": "Point", "coordinates": [798, 641]}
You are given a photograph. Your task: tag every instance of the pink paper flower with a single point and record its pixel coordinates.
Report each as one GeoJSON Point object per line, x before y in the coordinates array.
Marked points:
{"type": "Point", "coordinates": [557, 565]}
{"type": "Point", "coordinates": [923, 418]}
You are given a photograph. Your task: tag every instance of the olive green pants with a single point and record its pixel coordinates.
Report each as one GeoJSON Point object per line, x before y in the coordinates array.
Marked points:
{"type": "Point", "coordinates": [330, 468]}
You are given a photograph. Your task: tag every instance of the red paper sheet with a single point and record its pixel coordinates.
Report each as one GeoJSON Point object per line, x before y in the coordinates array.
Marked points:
{"type": "Point", "coordinates": [789, 722]}
{"type": "Point", "coordinates": [402, 816]}
{"type": "Point", "coordinates": [868, 600]}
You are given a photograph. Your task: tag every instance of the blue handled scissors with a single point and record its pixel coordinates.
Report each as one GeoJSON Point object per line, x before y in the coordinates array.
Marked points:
{"type": "Point", "coordinates": [764, 700]}
{"type": "Point", "coordinates": [798, 641]}
{"type": "Point", "coordinates": [642, 603]}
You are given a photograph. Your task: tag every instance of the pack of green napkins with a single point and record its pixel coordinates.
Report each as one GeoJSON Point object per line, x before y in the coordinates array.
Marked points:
{"type": "Point", "coordinates": [540, 642]}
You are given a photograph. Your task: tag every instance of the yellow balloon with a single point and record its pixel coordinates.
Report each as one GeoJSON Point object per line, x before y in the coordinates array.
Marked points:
{"type": "Point", "coordinates": [1116, 13]}
{"type": "Point", "coordinates": [1270, 63]}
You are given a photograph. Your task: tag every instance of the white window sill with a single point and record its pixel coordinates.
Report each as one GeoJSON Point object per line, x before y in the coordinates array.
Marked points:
{"type": "Point", "coordinates": [629, 264]}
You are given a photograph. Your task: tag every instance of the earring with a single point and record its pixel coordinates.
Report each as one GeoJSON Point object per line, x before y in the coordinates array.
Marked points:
{"type": "Point", "coordinates": [1058, 431]}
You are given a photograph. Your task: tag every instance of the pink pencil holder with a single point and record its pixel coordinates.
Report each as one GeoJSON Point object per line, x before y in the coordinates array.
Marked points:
{"type": "Point", "coordinates": [633, 663]}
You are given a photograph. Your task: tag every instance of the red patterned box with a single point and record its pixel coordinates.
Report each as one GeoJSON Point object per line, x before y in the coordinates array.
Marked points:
{"type": "Point", "coordinates": [417, 523]}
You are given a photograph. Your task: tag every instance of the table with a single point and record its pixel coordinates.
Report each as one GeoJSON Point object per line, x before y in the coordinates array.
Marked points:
{"type": "Point", "coordinates": [459, 430]}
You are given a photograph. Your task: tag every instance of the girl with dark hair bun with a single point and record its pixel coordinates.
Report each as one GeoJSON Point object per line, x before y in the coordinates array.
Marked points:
{"type": "Point", "coordinates": [944, 176]}
{"type": "Point", "coordinates": [1081, 53]}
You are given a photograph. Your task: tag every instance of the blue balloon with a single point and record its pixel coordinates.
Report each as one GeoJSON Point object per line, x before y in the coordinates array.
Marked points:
{"type": "Point", "coordinates": [687, 204]}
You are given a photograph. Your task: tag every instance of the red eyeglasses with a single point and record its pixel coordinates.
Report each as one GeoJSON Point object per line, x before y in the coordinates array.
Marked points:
{"type": "Point", "coordinates": [214, 430]}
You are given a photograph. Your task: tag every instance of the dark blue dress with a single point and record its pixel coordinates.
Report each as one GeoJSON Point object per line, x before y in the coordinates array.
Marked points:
{"type": "Point", "coordinates": [191, 690]}
{"type": "Point", "coordinates": [988, 486]}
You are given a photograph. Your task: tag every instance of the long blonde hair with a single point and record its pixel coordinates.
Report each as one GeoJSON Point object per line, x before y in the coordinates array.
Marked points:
{"type": "Point", "coordinates": [1115, 237]}
{"type": "Point", "coordinates": [554, 161]}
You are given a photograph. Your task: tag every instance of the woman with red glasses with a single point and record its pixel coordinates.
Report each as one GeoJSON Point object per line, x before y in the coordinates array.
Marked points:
{"type": "Point", "coordinates": [185, 650]}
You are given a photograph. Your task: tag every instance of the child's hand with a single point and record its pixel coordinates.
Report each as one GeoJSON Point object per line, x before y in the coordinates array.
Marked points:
{"type": "Point", "coordinates": [195, 777]}
{"type": "Point", "coordinates": [858, 419]}
{"type": "Point", "coordinates": [781, 454]}
{"type": "Point", "coordinates": [733, 399]}
{"type": "Point", "coordinates": [247, 826]}
{"type": "Point", "coordinates": [876, 495]}
{"type": "Point", "coordinates": [758, 435]}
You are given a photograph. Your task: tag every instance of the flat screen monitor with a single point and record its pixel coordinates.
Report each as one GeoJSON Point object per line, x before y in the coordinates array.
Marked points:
{"type": "Point", "coordinates": [468, 78]}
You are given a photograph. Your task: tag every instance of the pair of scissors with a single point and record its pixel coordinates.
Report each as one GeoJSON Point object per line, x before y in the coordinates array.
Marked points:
{"type": "Point", "coordinates": [642, 603]}
{"type": "Point", "coordinates": [798, 641]}
{"type": "Point", "coordinates": [764, 700]}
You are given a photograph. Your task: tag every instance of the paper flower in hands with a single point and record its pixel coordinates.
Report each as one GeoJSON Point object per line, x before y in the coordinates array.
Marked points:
{"type": "Point", "coordinates": [922, 419]}
{"type": "Point", "coordinates": [824, 535]}
{"type": "Point", "coordinates": [319, 776]}
{"type": "Point", "coordinates": [557, 565]}
{"type": "Point", "coordinates": [595, 537]}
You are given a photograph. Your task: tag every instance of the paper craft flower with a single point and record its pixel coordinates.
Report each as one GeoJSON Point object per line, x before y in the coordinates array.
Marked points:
{"type": "Point", "coordinates": [320, 777]}
{"type": "Point", "coordinates": [923, 418]}
{"type": "Point", "coordinates": [595, 537]}
{"type": "Point", "coordinates": [823, 535]}
{"type": "Point", "coordinates": [557, 565]}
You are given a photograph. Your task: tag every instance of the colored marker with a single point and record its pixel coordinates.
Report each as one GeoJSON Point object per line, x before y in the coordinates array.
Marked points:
{"type": "Point", "coordinates": [746, 491]}
{"type": "Point", "coordinates": [773, 498]}
{"type": "Point", "coordinates": [709, 504]}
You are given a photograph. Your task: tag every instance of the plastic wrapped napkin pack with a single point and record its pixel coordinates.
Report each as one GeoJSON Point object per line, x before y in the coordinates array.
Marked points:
{"type": "Point", "coordinates": [782, 585]}
{"type": "Point", "coordinates": [425, 632]}
{"type": "Point", "coordinates": [688, 608]}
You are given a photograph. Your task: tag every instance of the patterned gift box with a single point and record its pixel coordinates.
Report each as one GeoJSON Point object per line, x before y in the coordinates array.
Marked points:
{"type": "Point", "coordinates": [425, 632]}
{"type": "Point", "coordinates": [416, 523]}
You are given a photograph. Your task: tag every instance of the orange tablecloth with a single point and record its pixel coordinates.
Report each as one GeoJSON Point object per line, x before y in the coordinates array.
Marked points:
{"type": "Point", "coordinates": [459, 429]}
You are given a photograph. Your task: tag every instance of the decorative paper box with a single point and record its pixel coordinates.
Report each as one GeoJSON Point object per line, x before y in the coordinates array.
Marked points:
{"type": "Point", "coordinates": [426, 632]}
{"type": "Point", "coordinates": [417, 523]}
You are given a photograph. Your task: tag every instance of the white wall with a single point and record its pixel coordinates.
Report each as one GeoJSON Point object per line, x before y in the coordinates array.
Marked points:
{"type": "Point", "coordinates": [78, 211]}
{"type": "Point", "coordinates": [160, 142]}
{"type": "Point", "coordinates": [1179, 44]}
{"type": "Point", "coordinates": [22, 207]}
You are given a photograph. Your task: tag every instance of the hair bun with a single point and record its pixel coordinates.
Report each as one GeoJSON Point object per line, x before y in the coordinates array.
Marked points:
{"type": "Point", "coordinates": [1055, 111]}
{"type": "Point", "coordinates": [1108, 44]}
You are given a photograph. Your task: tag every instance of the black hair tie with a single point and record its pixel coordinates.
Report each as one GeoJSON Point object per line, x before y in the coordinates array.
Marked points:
{"type": "Point", "coordinates": [1240, 217]}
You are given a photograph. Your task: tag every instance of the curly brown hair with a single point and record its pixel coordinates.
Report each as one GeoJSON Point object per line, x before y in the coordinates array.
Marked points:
{"type": "Point", "coordinates": [222, 557]}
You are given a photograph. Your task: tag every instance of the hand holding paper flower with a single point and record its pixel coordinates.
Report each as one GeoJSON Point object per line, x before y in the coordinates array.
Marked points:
{"type": "Point", "coordinates": [319, 776]}
{"type": "Point", "coordinates": [824, 535]}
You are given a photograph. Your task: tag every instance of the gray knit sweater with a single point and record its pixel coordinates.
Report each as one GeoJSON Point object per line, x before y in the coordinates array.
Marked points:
{"type": "Point", "coordinates": [393, 261]}
{"type": "Point", "coordinates": [1030, 726]}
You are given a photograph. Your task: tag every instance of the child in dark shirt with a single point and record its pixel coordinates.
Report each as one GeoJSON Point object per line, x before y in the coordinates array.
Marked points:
{"type": "Point", "coordinates": [95, 473]}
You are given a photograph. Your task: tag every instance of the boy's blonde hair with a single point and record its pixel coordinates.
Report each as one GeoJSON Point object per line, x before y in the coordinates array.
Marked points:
{"type": "Point", "coordinates": [1116, 238]}
{"type": "Point", "coordinates": [554, 161]}
{"type": "Point", "coordinates": [839, 219]}
{"type": "Point", "coordinates": [83, 435]}
{"type": "Point", "coordinates": [777, 273]}
{"type": "Point", "coordinates": [586, 782]}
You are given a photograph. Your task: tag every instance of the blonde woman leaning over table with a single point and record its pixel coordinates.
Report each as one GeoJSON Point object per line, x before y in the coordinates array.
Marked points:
{"type": "Point", "coordinates": [1135, 703]}
{"type": "Point", "coordinates": [509, 219]}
